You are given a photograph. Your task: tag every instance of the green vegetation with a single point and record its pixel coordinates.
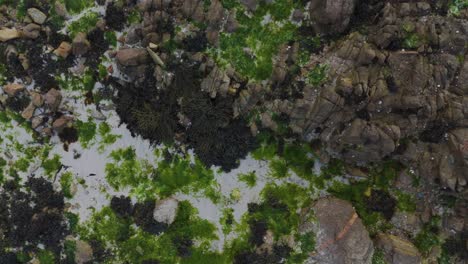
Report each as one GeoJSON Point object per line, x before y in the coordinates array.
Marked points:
{"type": "Point", "coordinates": [456, 6]}
{"type": "Point", "coordinates": [227, 220]}
{"type": "Point", "coordinates": [378, 257]}
{"type": "Point", "coordinates": [251, 48]}
{"type": "Point", "coordinates": [111, 37]}
{"type": "Point", "coordinates": [358, 193]}
{"type": "Point", "coordinates": [84, 83]}
{"type": "Point", "coordinates": [279, 210]}
{"type": "Point", "coordinates": [107, 138]}
{"type": "Point", "coordinates": [3, 72]}
{"type": "Point", "coordinates": [46, 257]}
{"type": "Point", "coordinates": [428, 237]}
{"type": "Point", "coordinates": [69, 249]}
{"type": "Point", "coordinates": [76, 6]}
{"type": "Point", "coordinates": [318, 75]}
{"type": "Point", "coordinates": [175, 174]}
{"type": "Point", "coordinates": [51, 165]}
{"type": "Point", "coordinates": [84, 24]}
{"type": "Point", "coordinates": [293, 156]}
{"type": "Point", "coordinates": [118, 233]}
{"type": "Point", "coordinates": [86, 131]}
{"type": "Point", "coordinates": [65, 182]}
{"type": "Point", "coordinates": [249, 178]}
{"type": "Point", "coordinates": [405, 202]}
{"type": "Point", "coordinates": [134, 17]}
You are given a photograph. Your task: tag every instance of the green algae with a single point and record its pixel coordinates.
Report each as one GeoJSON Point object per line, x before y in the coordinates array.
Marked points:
{"type": "Point", "coordinates": [111, 37]}
{"type": "Point", "coordinates": [318, 75]}
{"type": "Point", "coordinates": [378, 257]}
{"type": "Point", "coordinates": [84, 83]}
{"type": "Point", "coordinates": [107, 138]}
{"type": "Point", "coordinates": [66, 181]}
{"type": "Point", "coordinates": [248, 178]}
{"type": "Point", "coordinates": [428, 237]}
{"type": "Point", "coordinates": [251, 48]}
{"type": "Point", "coordinates": [123, 237]}
{"type": "Point", "coordinates": [76, 6]}
{"type": "Point", "coordinates": [86, 132]}
{"type": "Point", "coordinates": [46, 257]}
{"type": "Point", "coordinates": [134, 17]}
{"type": "Point", "coordinates": [405, 202]}
{"type": "Point", "coordinates": [168, 177]}
{"type": "Point", "coordinates": [456, 6]}
{"type": "Point", "coordinates": [51, 165]}
{"type": "Point", "coordinates": [84, 24]}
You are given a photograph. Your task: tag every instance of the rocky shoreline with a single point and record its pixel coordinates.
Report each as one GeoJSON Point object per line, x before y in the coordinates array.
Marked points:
{"type": "Point", "coordinates": [371, 94]}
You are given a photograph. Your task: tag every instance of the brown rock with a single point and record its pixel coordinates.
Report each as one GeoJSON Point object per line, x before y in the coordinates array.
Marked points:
{"type": "Point", "coordinates": [28, 112]}
{"type": "Point", "coordinates": [63, 50]}
{"type": "Point", "coordinates": [132, 57]}
{"type": "Point", "coordinates": [83, 253]}
{"type": "Point", "coordinates": [60, 123]}
{"type": "Point", "coordinates": [36, 99]}
{"type": "Point", "coordinates": [52, 99]}
{"type": "Point", "coordinates": [13, 89]}
{"type": "Point", "coordinates": [81, 44]}
{"type": "Point", "coordinates": [31, 31]}
{"type": "Point", "coordinates": [8, 34]}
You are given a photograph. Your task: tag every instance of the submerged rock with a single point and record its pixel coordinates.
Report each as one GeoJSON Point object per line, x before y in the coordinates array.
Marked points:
{"type": "Point", "coordinates": [166, 210]}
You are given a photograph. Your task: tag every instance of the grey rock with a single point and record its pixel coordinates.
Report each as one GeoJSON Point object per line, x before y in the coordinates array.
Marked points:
{"type": "Point", "coordinates": [37, 16]}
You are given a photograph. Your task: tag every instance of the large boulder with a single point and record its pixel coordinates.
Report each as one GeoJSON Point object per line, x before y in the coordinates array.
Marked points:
{"type": "Point", "coordinates": [341, 236]}
{"type": "Point", "coordinates": [331, 16]}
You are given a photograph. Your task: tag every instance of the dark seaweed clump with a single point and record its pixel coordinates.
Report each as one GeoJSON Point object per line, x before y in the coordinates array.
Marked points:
{"type": "Point", "coordinates": [31, 217]}
{"type": "Point", "coordinates": [216, 137]}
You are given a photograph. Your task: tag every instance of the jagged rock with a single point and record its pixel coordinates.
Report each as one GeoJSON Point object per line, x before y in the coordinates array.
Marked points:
{"type": "Point", "coordinates": [31, 31]}
{"type": "Point", "coordinates": [331, 16]}
{"type": "Point", "coordinates": [166, 210]}
{"type": "Point", "coordinates": [52, 99]}
{"type": "Point", "coordinates": [28, 112]}
{"type": "Point", "coordinates": [366, 142]}
{"type": "Point", "coordinates": [341, 236]}
{"type": "Point", "coordinates": [83, 253]}
{"type": "Point", "coordinates": [63, 50]}
{"type": "Point", "coordinates": [13, 89]}
{"type": "Point", "coordinates": [8, 34]}
{"type": "Point", "coordinates": [132, 57]}
{"type": "Point", "coordinates": [397, 250]}
{"type": "Point", "coordinates": [216, 82]}
{"type": "Point", "coordinates": [81, 44]}
{"type": "Point", "coordinates": [37, 16]}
